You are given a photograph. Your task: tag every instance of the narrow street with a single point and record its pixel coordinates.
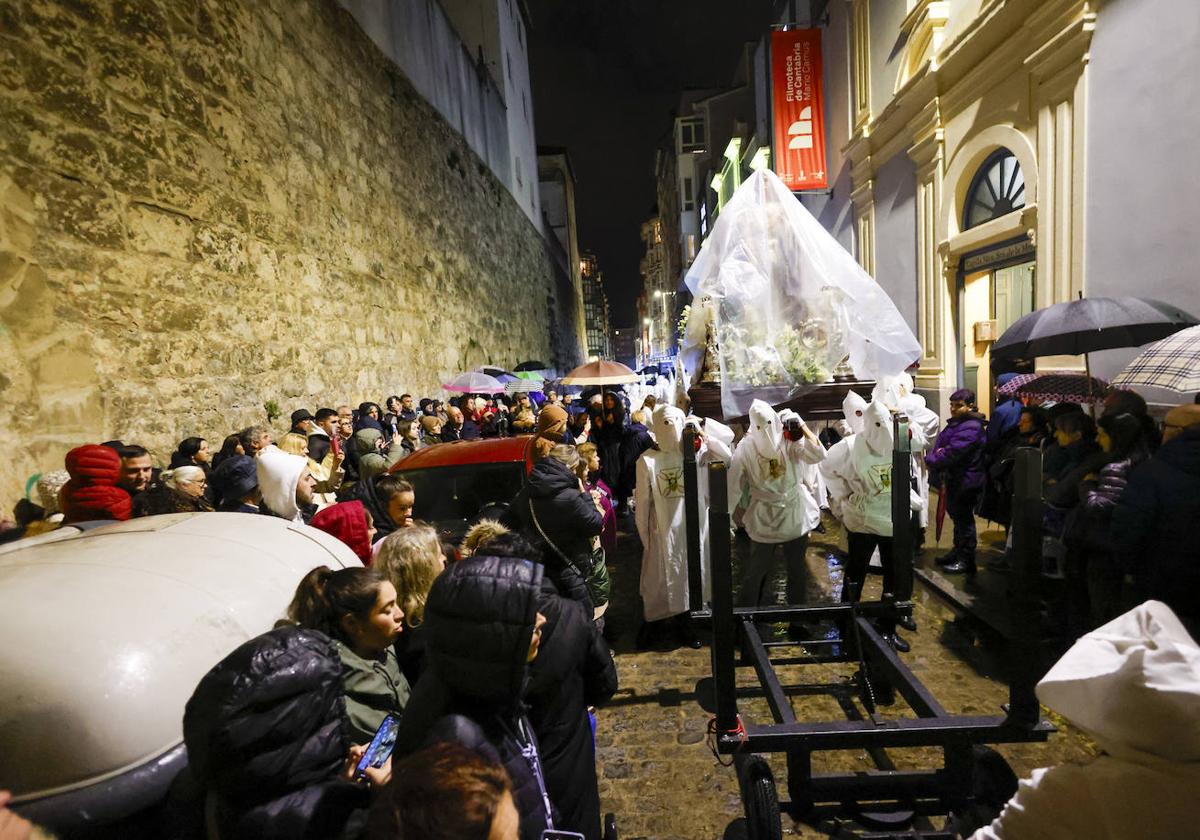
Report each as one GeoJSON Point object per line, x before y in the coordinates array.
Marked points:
{"type": "Point", "coordinates": [662, 781]}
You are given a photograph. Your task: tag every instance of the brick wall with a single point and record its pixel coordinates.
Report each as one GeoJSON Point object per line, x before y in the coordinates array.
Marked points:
{"type": "Point", "coordinates": [207, 204]}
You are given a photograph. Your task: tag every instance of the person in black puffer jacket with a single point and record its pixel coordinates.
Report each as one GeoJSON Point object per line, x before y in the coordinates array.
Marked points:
{"type": "Point", "coordinates": [482, 629]}
{"type": "Point", "coordinates": [574, 669]}
{"type": "Point", "coordinates": [267, 733]}
{"type": "Point", "coordinates": [1154, 522]}
{"type": "Point", "coordinates": [560, 518]}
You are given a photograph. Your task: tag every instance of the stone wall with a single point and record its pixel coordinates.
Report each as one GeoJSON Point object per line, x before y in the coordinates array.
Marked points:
{"type": "Point", "coordinates": [209, 204]}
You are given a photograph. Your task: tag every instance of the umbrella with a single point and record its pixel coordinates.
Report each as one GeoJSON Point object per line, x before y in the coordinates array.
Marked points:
{"type": "Point", "coordinates": [491, 370]}
{"type": "Point", "coordinates": [531, 375]}
{"type": "Point", "coordinates": [1090, 324]}
{"type": "Point", "coordinates": [1058, 386]}
{"type": "Point", "coordinates": [522, 386]}
{"type": "Point", "coordinates": [1173, 363]}
{"type": "Point", "coordinates": [474, 382]}
{"type": "Point", "coordinates": [601, 372]}
{"type": "Point", "coordinates": [531, 364]}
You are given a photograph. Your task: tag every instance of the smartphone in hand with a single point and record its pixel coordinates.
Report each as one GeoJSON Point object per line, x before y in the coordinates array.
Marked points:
{"type": "Point", "coordinates": [380, 748]}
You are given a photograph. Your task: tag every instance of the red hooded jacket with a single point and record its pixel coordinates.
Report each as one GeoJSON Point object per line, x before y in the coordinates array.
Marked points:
{"type": "Point", "coordinates": [348, 522]}
{"type": "Point", "coordinates": [92, 492]}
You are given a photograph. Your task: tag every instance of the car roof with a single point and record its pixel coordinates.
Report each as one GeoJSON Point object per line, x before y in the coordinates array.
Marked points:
{"type": "Point", "coordinates": [465, 452]}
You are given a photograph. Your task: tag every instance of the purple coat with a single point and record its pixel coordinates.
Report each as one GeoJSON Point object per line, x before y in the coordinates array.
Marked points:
{"type": "Point", "coordinates": [956, 461]}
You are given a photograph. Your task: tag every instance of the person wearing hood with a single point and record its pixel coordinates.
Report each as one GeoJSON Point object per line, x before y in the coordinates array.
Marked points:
{"type": "Point", "coordinates": [351, 523]}
{"type": "Point", "coordinates": [483, 628]}
{"type": "Point", "coordinates": [897, 393]}
{"type": "Point", "coordinates": [286, 483]}
{"type": "Point", "coordinates": [608, 433]}
{"type": "Point", "coordinates": [956, 467]}
{"type": "Point", "coordinates": [561, 518]}
{"type": "Point", "coordinates": [369, 418]}
{"type": "Point", "coordinates": [551, 425]}
{"type": "Point", "coordinates": [1154, 518]}
{"type": "Point", "coordinates": [235, 484]}
{"type": "Point", "coordinates": [854, 409]}
{"type": "Point", "coordinates": [1133, 686]}
{"type": "Point", "coordinates": [659, 517]}
{"type": "Point", "coordinates": [574, 670]}
{"type": "Point", "coordinates": [371, 456]}
{"type": "Point", "coordinates": [861, 471]}
{"type": "Point", "coordinates": [765, 480]}
{"type": "Point", "coordinates": [92, 492]}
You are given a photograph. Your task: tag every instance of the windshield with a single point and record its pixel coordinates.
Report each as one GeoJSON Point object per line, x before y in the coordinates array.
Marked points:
{"type": "Point", "coordinates": [446, 495]}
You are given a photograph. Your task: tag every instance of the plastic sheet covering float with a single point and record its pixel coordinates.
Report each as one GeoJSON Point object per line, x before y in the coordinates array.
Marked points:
{"type": "Point", "coordinates": [779, 306]}
{"type": "Point", "coordinates": [109, 629]}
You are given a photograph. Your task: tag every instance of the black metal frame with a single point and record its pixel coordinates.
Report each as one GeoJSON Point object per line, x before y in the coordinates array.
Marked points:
{"type": "Point", "coordinates": [898, 799]}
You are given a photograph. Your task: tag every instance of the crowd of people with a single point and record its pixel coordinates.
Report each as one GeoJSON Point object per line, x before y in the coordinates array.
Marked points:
{"type": "Point", "coordinates": [496, 645]}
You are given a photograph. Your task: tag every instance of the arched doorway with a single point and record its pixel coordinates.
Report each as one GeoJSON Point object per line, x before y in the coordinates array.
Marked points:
{"type": "Point", "coordinates": [997, 283]}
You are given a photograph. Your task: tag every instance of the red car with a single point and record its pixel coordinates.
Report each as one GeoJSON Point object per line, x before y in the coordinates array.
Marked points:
{"type": "Point", "coordinates": [459, 483]}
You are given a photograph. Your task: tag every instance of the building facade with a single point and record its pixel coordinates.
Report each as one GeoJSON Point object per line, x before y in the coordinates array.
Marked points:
{"type": "Point", "coordinates": [595, 308]}
{"type": "Point", "coordinates": [656, 305]}
{"type": "Point", "coordinates": [993, 157]}
{"type": "Point", "coordinates": [470, 60]}
{"type": "Point", "coordinates": [556, 189]}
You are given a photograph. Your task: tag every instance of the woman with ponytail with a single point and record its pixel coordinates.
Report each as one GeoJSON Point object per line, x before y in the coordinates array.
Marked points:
{"type": "Point", "coordinates": [358, 609]}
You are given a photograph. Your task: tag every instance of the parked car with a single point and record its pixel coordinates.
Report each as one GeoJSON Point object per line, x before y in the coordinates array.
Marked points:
{"type": "Point", "coordinates": [459, 483]}
{"type": "Point", "coordinates": [108, 630]}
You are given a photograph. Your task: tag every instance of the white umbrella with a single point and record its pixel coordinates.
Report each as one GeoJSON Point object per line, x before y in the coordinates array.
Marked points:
{"type": "Point", "coordinates": [1172, 363]}
{"type": "Point", "coordinates": [523, 386]}
{"type": "Point", "coordinates": [474, 382]}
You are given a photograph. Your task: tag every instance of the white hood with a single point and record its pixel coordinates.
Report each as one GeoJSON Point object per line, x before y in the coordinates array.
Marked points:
{"type": "Point", "coordinates": [668, 428]}
{"type": "Point", "coordinates": [892, 390]}
{"type": "Point", "coordinates": [854, 408]}
{"type": "Point", "coordinates": [1133, 685]}
{"type": "Point", "coordinates": [766, 430]}
{"type": "Point", "coordinates": [278, 476]}
{"type": "Point", "coordinates": [876, 433]}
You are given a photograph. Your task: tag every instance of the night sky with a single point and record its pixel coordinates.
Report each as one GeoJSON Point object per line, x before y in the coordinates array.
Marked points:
{"type": "Point", "coordinates": [606, 77]}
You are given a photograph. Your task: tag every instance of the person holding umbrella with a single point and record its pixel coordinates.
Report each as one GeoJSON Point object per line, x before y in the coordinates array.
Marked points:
{"type": "Point", "coordinates": [956, 467]}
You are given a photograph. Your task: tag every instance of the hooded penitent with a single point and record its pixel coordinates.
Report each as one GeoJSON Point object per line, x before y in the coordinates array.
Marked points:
{"type": "Point", "coordinates": [868, 474]}
{"type": "Point", "coordinates": [92, 492]}
{"type": "Point", "coordinates": [896, 392]}
{"type": "Point", "coordinates": [1134, 686]}
{"type": "Point", "coordinates": [853, 408]}
{"type": "Point", "coordinates": [348, 522]}
{"type": "Point", "coordinates": [766, 475]}
{"type": "Point", "coordinates": [278, 476]}
{"type": "Point", "coordinates": [659, 510]}
{"type": "Point", "coordinates": [551, 424]}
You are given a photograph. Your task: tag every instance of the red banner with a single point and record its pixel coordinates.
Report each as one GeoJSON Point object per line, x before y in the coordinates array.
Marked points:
{"type": "Point", "coordinates": [799, 108]}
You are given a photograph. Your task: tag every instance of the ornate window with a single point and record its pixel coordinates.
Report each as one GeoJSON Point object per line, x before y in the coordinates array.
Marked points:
{"type": "Point", "coordinates": [997, 189]}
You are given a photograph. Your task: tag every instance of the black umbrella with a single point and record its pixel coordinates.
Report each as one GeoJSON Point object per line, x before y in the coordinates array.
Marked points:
{"type": "Point", "coordinates": [532, 364]}
{"type": "Point", "coordinates": [1084, 326]}
{"type": "Point", "coordinates": [1090, 324]}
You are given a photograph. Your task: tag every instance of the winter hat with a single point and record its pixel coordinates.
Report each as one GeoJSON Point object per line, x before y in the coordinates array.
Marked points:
{"type": "Point", "coordinates": [91, 493]}
{"type": "Point", "coordinates": [234, 477]}
{"type": "Point", "coordinates": [49, 485]}
{"type": "Point", "coordinates": [348, 522]}
{"type": "Point", "coordinates": [1133, 685]}
{"type": "Point", "coordinates": [278, 476]}
{"type": "Point", "coordinates": [300, 415]}
{"type": "Point", "coordinates": [963, 395]}
{"type": "Point", "coordinates": [550, 426]}
{"type": "Point", "coordinates": [93, 465]}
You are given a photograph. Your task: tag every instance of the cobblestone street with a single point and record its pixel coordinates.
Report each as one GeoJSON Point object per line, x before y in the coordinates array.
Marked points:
{"type": "Point", "coordinates": [659, 776]}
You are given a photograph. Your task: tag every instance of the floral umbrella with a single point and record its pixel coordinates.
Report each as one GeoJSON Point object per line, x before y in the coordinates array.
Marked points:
{"type": "Point", "coordinates": [1058, 386]}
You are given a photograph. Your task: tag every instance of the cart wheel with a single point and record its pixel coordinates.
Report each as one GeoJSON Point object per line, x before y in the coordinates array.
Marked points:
{"type": "Point", "coordinates": [761, 800]}
{"type": "Point", "coordinates": [610, 827]}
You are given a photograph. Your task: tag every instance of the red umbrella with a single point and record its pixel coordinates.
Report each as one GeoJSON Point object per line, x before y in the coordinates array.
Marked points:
{"type": "Point", "coordinates": [941, 514]}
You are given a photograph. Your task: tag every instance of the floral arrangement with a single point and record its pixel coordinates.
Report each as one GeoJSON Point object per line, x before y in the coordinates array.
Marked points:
{"type": "Point", "coordinates": [796, 356]}
{"type": "Point", "coordinates": [683, 321]}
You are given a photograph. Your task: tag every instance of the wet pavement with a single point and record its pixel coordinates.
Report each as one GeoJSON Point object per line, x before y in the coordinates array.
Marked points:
{"type": "Point", "coordinates": [662, 780]}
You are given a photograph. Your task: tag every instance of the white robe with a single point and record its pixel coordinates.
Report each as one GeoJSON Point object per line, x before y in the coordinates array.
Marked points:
{"type": "Point", "coordinates": [767, 474]}
{"type": "Point", "coordinates": [659, 513]}
{"type": "Point", "coordinates": [1134, 686]}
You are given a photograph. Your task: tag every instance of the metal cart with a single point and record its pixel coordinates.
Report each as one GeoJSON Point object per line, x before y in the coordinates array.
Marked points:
{"type": "Point", "coordinates": [885, 802]}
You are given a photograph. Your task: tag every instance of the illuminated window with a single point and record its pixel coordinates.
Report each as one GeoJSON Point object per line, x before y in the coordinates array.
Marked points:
{"type": "Point", "coordinates": [997, 189]}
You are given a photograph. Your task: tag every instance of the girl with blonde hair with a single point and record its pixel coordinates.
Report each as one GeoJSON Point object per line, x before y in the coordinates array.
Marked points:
{"type": "Point", "coordinates": [411, 558]}
{"type": "Point", "coordinates": [328, 473]}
